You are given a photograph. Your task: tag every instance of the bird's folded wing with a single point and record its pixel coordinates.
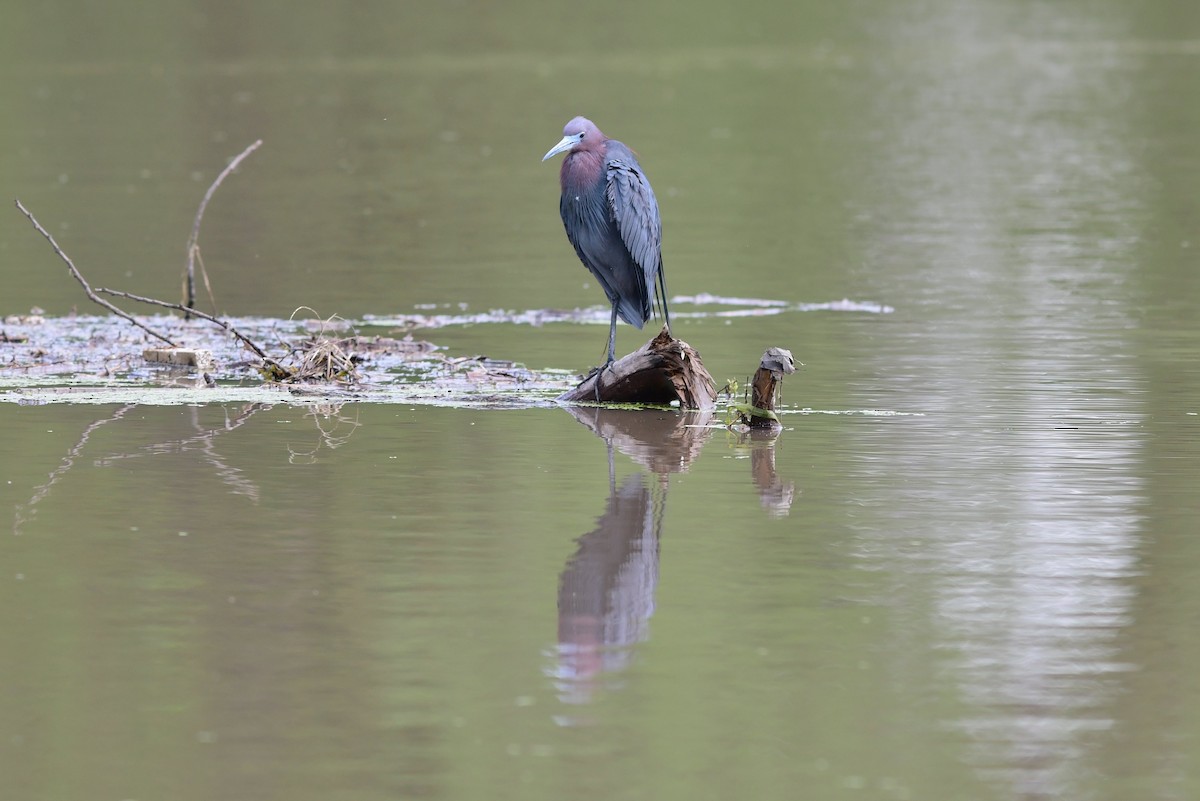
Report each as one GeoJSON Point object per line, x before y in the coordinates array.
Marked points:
{"type": "Point", "coordinates": [635, 210]}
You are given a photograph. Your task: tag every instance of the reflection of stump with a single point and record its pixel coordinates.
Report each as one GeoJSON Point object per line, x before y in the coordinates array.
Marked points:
{"type": "Point", "coordinates": [661, 443]}
{"type": "Point", "coordinates": [774, 493]}
{"type": "Point", "coordinates": [663, 370]}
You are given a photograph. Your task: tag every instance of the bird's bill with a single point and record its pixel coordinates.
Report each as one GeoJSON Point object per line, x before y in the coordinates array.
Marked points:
{"type": "Point", "coordinates": [566, 143]}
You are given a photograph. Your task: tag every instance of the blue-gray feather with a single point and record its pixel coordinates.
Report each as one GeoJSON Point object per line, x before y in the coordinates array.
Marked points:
{"type": "Point", "coordinates": [615, 229]}
{"type": "Point", "coordinates": [611, 217]}
{"type": "Point", "coordinates": [633, 206]}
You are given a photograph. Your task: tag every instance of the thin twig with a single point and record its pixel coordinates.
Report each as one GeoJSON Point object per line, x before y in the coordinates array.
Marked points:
{"type": "Point", "coordinates": [249, 343]}
{"type": "Point", "coordinates": [83, 282]}
{"type": "Point", "coordinates": [193, 247]}
{"type": "Point", "coordinates": [212, 301]}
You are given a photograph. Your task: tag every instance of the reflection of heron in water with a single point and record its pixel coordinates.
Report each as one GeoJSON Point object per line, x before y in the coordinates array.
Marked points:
{"type": "Point", "coordinates": [606, 590]}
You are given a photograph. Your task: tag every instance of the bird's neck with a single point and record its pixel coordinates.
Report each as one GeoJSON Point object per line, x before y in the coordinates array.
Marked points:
{"type": "Point", "coordinates": [581, 170]}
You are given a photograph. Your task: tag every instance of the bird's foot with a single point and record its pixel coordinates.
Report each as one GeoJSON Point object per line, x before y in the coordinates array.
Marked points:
{"type": "Point", "coordinates": [599, 374]}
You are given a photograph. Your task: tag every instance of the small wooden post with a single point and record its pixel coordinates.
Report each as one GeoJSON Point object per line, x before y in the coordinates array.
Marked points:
{"type": "Point", "coordinates": [764, 387]}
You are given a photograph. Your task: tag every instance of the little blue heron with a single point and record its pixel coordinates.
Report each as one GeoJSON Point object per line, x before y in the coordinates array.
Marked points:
{"type": "Point", "coordinates": [611, 217]}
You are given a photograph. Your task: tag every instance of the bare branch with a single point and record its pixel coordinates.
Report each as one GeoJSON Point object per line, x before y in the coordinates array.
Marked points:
{"type": "Point", "coordinates": [249, 343]}
{"type": "Point", "coordinates": [83, 282]}
{"type": "Point", "coordinates": [193, 247]}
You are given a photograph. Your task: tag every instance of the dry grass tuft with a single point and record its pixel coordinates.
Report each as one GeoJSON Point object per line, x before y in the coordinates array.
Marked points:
{"type": "Point", "coordinates": [324, 358]}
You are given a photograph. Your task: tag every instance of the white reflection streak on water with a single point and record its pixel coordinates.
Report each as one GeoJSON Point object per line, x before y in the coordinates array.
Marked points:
{"type": "Point", "coordinates": [1030, 608]}
{"type": "Point", "coordinates": [1020, 201]}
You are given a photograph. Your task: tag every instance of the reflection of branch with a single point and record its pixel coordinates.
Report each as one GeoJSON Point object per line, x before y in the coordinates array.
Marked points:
{"type": "Point", "coordinates": [67, 462]}
{"type": "Point", "coordinates": [329, 438]}
{"type": "Point", "coordinates": [204, 439]}
{"type": "Point", "coordinates": [83, 282]}
{"type": "Point", "coordinates": [181, 445]}
{"type": "Point", "coordinates": [230, 475]}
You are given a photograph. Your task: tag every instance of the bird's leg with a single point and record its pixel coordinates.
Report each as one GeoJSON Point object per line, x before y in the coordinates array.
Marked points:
{"type": "Point", "coordinates": [662, 294]}
{"type": "Point", "coordinates": [612, 345]}
{"type": "Point", "coordinates": [612, 336]}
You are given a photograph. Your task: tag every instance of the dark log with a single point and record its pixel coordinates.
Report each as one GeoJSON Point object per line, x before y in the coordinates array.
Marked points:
{"type": "Point", "coordinates": [662, 371]}
{"type": "Point", "coordinates": [764, 387]}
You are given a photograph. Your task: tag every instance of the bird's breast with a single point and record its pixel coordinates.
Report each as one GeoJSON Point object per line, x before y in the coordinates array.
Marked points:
{"type": "Point", "coordinates": [581, 168]}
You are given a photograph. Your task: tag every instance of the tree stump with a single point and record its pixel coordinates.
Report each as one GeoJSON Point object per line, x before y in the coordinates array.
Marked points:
{"type": "Point", "coordinates": [764, 387]}
{"type": "Point", "coordinates": [662, 371]}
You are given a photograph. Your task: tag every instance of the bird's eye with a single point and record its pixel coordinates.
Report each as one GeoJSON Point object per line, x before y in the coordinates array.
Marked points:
{"type": "Point", "coordinates": [582, 134]}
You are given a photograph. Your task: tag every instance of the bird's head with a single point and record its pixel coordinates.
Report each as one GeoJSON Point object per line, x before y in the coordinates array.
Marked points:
{"type": "Point", "coordinates": [578, 134]}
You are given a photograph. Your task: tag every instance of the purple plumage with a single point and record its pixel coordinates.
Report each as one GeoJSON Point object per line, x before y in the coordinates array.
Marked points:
{"type": "Point", "coordinates": [611, 218]}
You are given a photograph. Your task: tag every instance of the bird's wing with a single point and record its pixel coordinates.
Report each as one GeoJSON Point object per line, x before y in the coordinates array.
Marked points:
{"type": "Point", "coordinates": [634, 208]}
